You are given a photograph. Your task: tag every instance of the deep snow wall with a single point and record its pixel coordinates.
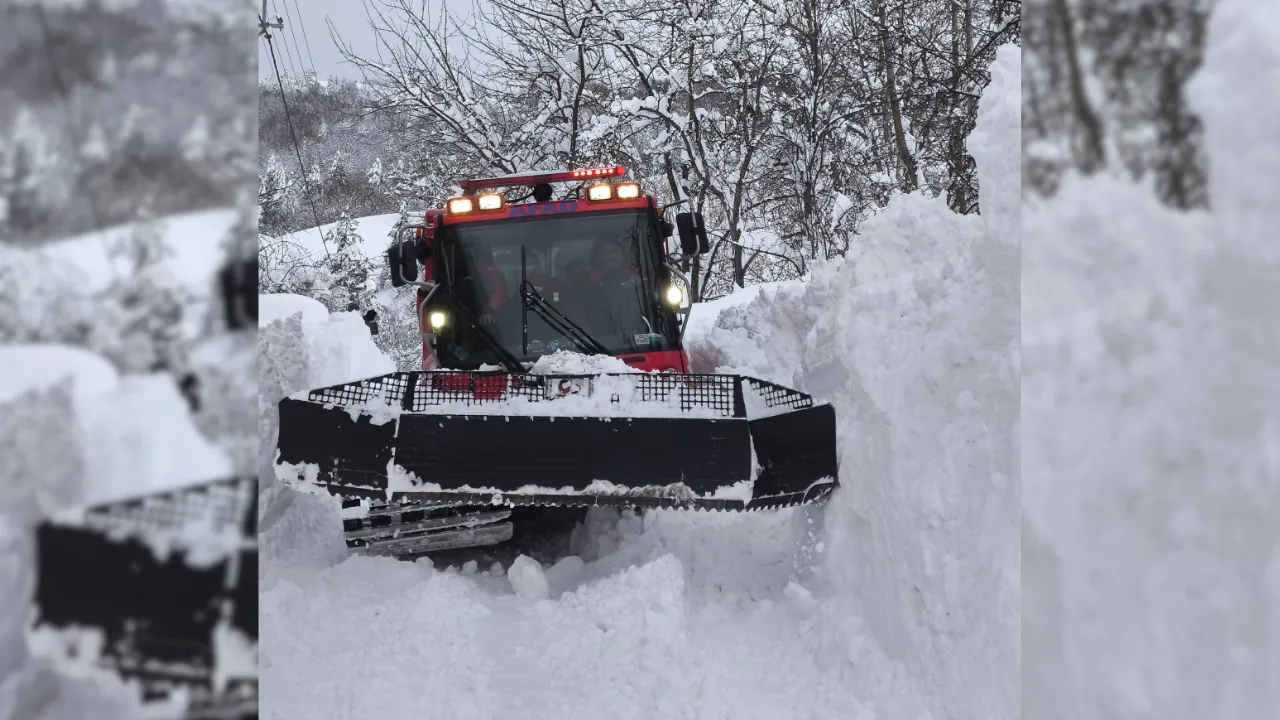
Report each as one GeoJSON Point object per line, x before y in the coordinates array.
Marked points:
{"type": "Point", "coordinates": [302, 346]}
{"type": "Point", "coordinates": [914, 338]}
{"type": "Point", "coordinates": [1152, 433]}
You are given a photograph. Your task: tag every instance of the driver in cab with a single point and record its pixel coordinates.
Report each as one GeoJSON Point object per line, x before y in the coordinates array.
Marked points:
{"type": "Point", "coordinates": [608, 266]}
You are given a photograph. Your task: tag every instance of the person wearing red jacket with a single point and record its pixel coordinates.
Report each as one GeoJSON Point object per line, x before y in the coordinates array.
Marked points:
{"type": "Point", "coordinates": [491, 279]}
{"type": "Point", "coordinates": [609, 265]}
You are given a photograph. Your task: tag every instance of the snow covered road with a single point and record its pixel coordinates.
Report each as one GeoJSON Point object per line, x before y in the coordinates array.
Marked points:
{"type": "Point", "coordinates": [691, 617]}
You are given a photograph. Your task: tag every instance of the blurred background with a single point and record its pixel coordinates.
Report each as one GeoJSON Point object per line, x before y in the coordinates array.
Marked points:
{"type": "Point", "coordinates": [127, 416]}
{"type": "Point", "coordinates": [1150, 424]}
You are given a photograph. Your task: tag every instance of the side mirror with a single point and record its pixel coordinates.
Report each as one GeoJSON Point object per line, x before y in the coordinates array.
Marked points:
{"type": "Point", "coordinates": [402, 259]}
{"type": "Point", "coordinates": [704, 243]}
{"type": "Point", "coordinates": [693, 234]}
{"type": "Point", "coordinates": [688, 229]}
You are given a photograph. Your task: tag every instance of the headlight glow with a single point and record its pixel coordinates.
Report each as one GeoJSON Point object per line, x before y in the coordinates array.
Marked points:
{"type": "Point", "coordinates": [437, 319]}
{"type": "Point", "coordinates": [675, 295]}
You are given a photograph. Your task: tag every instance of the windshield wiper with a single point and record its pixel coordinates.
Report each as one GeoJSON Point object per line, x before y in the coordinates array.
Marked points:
{"type": "Point", "coordinates": [505, 356]}
{"type": "Point", "coordinates": [559, 322]}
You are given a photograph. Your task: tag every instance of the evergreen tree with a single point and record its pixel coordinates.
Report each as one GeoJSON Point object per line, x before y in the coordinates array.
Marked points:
{"type": "Point", "coordinates": [347, 266]}
{"type": "Point", "coordinates": [140, 328]}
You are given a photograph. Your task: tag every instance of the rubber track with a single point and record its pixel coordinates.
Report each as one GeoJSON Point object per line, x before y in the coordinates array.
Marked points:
{"type": "Point", "coordinates": [817, 492]}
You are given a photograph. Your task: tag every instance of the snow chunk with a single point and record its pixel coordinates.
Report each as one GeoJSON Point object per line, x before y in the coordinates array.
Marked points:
{"type": "Point", "coordinates": [564, 362]}
{"type": "Point", "coordinates": [297, 532]}
{"type": "Point", "coordinates": [565, 573]}
{"type": "Point", "coordinates": [528, 581]}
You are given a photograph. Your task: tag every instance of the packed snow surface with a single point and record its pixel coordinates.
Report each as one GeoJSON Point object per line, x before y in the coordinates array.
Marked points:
{"type": "Point", "coordinates": [898, 600]}
{"type": "Point", "coordinates": [1152, 402]}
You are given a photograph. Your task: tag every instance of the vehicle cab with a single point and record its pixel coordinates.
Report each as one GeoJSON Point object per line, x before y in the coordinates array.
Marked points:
{"type": "Point", "coordinates": [509, 274]}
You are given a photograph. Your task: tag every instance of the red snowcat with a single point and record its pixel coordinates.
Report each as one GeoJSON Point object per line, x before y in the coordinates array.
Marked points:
{"type": "Point", "coordinates": [506, 276]}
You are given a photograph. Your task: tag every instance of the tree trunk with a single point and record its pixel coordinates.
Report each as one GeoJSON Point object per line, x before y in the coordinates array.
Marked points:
{"type": "Point", "coordinates": [1092, 155]}
{"type": "Point", "coordinates": [909, 178]}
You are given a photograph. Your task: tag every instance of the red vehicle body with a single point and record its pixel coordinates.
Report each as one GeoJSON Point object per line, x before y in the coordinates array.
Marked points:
{"type": "Point", "coordinates": [438, 222]}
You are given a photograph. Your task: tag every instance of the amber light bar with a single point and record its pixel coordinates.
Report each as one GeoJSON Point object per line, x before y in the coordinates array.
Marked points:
{"type": "Point", "coordinates": [534, 178]}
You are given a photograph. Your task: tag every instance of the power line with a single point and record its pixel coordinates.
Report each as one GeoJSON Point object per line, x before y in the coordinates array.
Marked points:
{"type": "Point", "coordinates": [264, 28]}
{"type": "Point", "coordinates": [297, 48]}
{"type": "Point", "coordinates": [293, 69]}
{"type": "Point", "coordinates": [306, 40]}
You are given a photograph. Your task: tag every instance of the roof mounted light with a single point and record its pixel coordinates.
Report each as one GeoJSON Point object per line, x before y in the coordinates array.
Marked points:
{"type": "Point", "coordinates": [491, 201]}
{"type": "Point", "coordinates": [599, 172]}
{"type": "Point", "coordinates": [600, 192]}
{"type": "Point", "coordinates": [529, 179]}
{"type": "Point", "coordinates": [461, 205]}
{"type": "Point", "coordinates": [627, 191]}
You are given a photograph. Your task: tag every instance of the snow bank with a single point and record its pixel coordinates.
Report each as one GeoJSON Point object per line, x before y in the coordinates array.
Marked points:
{"type": "Point", "coordinates": [1152, 441]}
{"type": "Point", "coordinates": [374, 230]}
{"type": "Point", "coordinates": [302, 346]}
{"type": "Point", "coordinates": [195, 241]}
{"type": "Point", "coordinates": [133, 435]}
{"type": "Point", "coordinates": [32, 367]}
{"type": "Point", "coordinates": [279, 307]}
{"type": "Point", "coordinates": [913, 338]}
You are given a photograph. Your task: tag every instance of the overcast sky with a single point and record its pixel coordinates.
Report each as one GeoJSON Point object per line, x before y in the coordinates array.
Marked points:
{"type": "Point", "coordinates": [305, 24]}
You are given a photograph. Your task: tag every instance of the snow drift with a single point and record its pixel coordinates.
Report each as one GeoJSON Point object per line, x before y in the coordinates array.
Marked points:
{"type": "Point", "coordinates": [300, 346]}
{"type": "Point", "coordinates": [914, 338]}
{"type": "Point", "coordinates": [1153, 420]}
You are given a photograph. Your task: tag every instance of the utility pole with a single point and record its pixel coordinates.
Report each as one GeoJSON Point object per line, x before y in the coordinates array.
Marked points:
{"type": "Point", "coordinates": [265, 26]}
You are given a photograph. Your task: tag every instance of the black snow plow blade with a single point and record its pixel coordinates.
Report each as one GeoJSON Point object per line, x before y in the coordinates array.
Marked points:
{"type": "Point", "coordinates": [723, 442]}
{"type": "Point", "coordinates": [156, 579]}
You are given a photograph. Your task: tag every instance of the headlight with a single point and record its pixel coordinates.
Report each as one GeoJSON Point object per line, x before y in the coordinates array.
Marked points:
{"type": "Point", "coordinates": [627, 191]}
{"type": "Point", "coordinates": [600, 192]}
{"type": "Point", "coordinates": [675, 295]}
{"type": "Point", "coordinates": [461, 205]}
{"type": "Point", "coordinates": [492, 201]}
{"type": "Point", "coordinates": [437, 319]}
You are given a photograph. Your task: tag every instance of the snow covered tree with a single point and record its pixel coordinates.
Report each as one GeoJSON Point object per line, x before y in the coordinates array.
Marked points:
{"type": "Point", "coordinates": [347, 266]}
{"type": "Point", "coordinates": [141, 311]}
{"type": "Point", "coordinates": [785, 122]}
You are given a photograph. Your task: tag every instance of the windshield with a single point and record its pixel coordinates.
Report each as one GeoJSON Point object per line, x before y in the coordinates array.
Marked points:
{"type": "Point", "coordinates": [599, 269]}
